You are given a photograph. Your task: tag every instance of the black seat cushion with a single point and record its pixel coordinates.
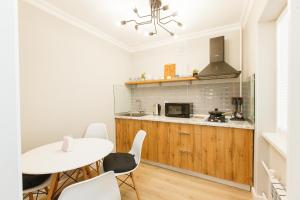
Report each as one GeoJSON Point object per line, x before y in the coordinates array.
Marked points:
{"type": "Point", "coordinates": [119, 162]}
{"type": "Point", "coordinates": [31, 181]}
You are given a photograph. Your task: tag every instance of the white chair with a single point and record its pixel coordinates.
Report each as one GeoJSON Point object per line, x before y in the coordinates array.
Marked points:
{"type": "Point", "coordinates": [103, 187]}
{"type": "Point", "coordinates": [96, 130]}
{"type": "Point", "coordinates": [126, 163]}
{"type": "Point", "coordinates": [35, 185]}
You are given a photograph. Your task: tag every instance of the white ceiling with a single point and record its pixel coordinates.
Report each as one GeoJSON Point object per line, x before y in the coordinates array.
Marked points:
{"type": "Point", "coordinates": [196, 15]}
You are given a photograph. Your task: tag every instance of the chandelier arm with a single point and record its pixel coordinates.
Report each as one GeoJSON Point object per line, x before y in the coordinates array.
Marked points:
{"type": "Point", "coordinates": [138, 14]}
{"type": "Point", "coordinates": [140, 23]}
{"type": "Point", "coordinates": [172, 20]}
{"type": "Point", "coordinates": [165, 29]}
{"type": "Point", "coordinates": [155, 21]}
{"type": "Point", "coordinates": [142, 16]}
{"type": "Point", "coordinates": [160, 19]}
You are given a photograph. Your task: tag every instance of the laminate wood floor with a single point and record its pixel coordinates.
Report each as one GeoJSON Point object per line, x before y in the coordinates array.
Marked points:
{"type": "Point", "coordinates": [155, 183]}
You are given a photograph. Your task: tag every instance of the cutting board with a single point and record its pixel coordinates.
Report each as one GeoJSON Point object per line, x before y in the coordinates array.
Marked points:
{"type": "Point", "coordinates": [170, 71]}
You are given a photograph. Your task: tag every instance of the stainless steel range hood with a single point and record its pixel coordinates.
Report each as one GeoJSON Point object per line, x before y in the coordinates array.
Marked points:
{"type": "Point", "coordinates": [218, 68]}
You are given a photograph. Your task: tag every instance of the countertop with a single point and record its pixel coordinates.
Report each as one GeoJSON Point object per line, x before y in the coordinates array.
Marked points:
{"type": "Point", "coordinates": [194, 121]}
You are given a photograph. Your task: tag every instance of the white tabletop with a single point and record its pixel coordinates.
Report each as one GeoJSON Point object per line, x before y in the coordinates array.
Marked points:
{"type": "Point", "coordinates": [49, 159]}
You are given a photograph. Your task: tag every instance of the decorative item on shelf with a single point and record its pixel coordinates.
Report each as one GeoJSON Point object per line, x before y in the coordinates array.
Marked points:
{"type": "Point", "coordinates": [143, 76]}
{"type": "Point", "coordinates": [195, 72]}
{"type": "Point", "coordinates": [154, 18]}
{"type": "Point", "coordinates": [170, 71]}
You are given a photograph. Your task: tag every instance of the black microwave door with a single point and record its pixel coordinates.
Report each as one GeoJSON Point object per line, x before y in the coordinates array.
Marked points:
{"type": "Point", "coordinates": [174, 110]}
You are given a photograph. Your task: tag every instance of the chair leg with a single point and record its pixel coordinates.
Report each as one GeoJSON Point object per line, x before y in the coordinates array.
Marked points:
{"type": "Point", "coordinates": [85, 175]}
{"type": "Point", "coordinates": [47, 189]}
{"type": "Point", "coordinates": [77, 174]}
{"type": "Point", "coordinates": [134, 185]}
{"type": "Point", "coordinates": [53, 186]}
{"type": "Point", "coordinates": [30, 195]}
{"type": "Point", "coordinates": [98, 167]}
{"type": "Point", "coordinates": [88, 171]}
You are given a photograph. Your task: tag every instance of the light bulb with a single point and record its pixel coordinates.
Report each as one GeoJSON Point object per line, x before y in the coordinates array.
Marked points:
{"type": "Point", "coordinates": [179, 24]}
{"type": "Point", "coordinates": [165, 7]}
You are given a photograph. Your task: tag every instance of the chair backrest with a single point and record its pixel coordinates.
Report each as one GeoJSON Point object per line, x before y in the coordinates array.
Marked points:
{"type": "Point", "coordinates": [96, 130]}
{"type": "Point", "coordinates": [137, 146]}
{"type": "Point", "coordinates": [103, 187]}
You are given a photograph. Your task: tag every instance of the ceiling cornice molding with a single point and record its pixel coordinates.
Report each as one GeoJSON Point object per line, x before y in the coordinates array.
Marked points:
{"type": "Point", "coordinates": [205, 33]}
{"type": "Point", "coordinates": [62, 15]}
{"type": "Point", "coordinates": [54, 11]}
{"type": "Point", "coordinates": [246, 12]}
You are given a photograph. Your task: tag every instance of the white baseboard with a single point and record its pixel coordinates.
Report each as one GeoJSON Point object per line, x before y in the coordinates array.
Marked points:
{"type": "Point", "coordinates": [256, 196]}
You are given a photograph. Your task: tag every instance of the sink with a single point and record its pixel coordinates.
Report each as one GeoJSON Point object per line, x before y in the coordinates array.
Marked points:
{"type": "Point", "coordinates": [133, 114]}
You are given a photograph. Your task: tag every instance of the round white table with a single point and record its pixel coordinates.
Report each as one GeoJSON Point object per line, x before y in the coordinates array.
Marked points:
{"type": "Point", "coordinates": [50, 159]}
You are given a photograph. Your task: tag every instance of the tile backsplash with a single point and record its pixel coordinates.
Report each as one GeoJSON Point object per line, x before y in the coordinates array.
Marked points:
{"type": "Point", "coordinates": [205, 97]}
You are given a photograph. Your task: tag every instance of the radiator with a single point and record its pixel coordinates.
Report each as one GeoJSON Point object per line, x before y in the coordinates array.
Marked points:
{"type": "Point", "coordinates": [277, 190]}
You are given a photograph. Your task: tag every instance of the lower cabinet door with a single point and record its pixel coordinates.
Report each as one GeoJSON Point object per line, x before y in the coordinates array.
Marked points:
{"type": "Point", "coordinates": [209, 150]}
{"type": "Point", "coordinates": [150, 144]}
{"type": "Point", "coordinates": [125, 133]}
{"type": "Point", "coordinates": [121, 135]}
{"type": "Point", "coordinates": [227, 153]}
{"type": "Point", "coordinates": [163, 143]}
{"type": "Point", "coordinates": [242, 156]}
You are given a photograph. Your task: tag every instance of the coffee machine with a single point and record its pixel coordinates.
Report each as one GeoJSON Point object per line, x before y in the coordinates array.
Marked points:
{"type": "Point", "coordinates": [237, 103]}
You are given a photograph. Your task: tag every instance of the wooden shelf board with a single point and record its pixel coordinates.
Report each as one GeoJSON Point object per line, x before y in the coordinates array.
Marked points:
{"type": "Point", "coordinates": [161, 81]}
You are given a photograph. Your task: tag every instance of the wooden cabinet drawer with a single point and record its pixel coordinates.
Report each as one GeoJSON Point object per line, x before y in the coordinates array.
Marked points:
{"type": "Point", "coordinates": [181, 146]}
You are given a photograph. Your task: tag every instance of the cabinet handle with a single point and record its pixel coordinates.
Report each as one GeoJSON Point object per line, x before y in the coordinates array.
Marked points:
{"type": "Point", "coordinates": [184, 133]}
{"type": "Point", "coordinates": [184, 151]}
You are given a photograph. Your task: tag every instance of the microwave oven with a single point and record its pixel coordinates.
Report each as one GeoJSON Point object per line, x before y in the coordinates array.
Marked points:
{"type": "Point", "coordinates": [182, 110]}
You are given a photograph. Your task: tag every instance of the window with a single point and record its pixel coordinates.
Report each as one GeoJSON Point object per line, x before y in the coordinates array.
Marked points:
{"type": "Point", "coordinates": [282, 72]}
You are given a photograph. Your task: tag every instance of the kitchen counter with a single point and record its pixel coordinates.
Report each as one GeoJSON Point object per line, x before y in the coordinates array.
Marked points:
{"type": "Point", "coordinates": [193, 121]}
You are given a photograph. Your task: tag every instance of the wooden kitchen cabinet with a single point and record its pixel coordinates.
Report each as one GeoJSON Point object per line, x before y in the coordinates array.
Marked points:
{"type": "Point", "coordinates": [225, 153]}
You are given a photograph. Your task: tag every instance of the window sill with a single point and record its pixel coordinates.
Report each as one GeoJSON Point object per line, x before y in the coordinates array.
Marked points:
{"type": "Point", "coordinates": [278, 141]}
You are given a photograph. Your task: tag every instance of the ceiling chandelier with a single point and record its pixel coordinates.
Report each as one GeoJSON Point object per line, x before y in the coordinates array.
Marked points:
{"type": "Point", "coordinates": [154, 18]}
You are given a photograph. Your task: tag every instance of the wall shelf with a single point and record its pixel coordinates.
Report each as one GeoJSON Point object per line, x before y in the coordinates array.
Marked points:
{"type": "Point", "coordinates": [181, 79]}
{"type": "Point", "coordinates": [191, 80]}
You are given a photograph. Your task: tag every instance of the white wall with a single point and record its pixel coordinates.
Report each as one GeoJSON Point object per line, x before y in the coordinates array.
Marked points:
{"type": "Point", "coordinates": [67, 78]}
{"type": "Point", "coordinates": [187, 55]}
{"type": "Point", "coordinates": [10, 182]}
{"type": "Point", "coordinates": [259, 57]}
{"type": "Point", "coordinates": [294, 99]}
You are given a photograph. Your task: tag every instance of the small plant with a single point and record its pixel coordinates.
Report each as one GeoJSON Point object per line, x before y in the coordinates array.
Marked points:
{"type": "Point", "coordinates": [195, 72]}
{"type": "Point", "coordinates": [143, 76]}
